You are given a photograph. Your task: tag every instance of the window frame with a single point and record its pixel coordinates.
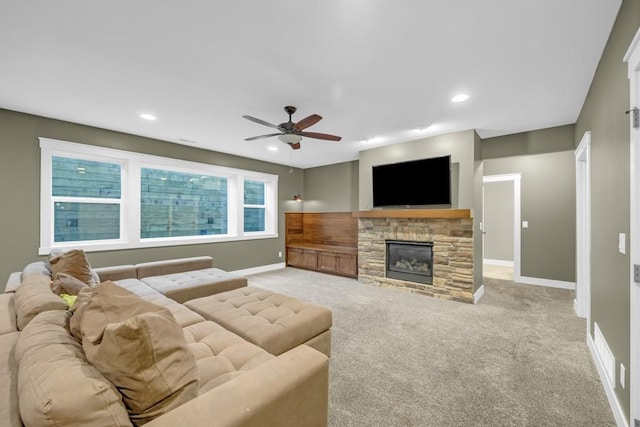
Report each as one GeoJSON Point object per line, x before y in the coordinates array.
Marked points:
{"type": "Point", "coordinates": [130, 203]}
{"type": "Point", "coordinates": [262, 206]}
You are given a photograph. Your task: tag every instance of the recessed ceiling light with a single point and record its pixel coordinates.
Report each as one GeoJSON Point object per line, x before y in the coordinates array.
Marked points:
{"type": "Point", "coordinates": [272, 148]}
{"type": "Point", "coordinates": [147, 116]}
{"type": "Point", "coordinates": [461, 97]}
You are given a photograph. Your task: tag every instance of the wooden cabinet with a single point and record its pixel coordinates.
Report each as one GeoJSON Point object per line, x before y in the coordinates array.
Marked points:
{"type": "Point", "coordinates": [338, 263]}
{"type": "Point", "coordinates": [303, 258]}
{"type": "Point", "coordinates": [325, 242]}
{"type": "Point", "coordinates": [328, 259]}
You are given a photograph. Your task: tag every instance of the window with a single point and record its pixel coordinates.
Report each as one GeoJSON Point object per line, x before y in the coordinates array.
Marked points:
{"type": "Point", "coordinates": [86, 196]}
{"type": "Point", "coordinates": [103, 199]}
{"type": "Point", "coordinates": [254, 206]}
{"type": "Point", "coordinates": [182, 204]}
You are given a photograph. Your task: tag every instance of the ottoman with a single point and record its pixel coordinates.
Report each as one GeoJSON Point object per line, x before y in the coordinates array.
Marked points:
{"type": "Point", "coordinates": [272, 321]}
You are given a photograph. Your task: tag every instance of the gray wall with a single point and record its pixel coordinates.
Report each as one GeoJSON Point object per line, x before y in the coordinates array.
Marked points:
{"type": "Point", "coordinates": [603, 115]}
{"type": "Point", "coordinates": [459, 145]}
{"type": "Point", "coordinates": [549, 140]}
{"type": "Point", "coordinates": [548, 203]}
{"type": "Point", "coordinates": [332, 188]}
{"type": "Point", "coordinates": [498, 220]}
{"type": "Point", "coordinates": [20, 190]}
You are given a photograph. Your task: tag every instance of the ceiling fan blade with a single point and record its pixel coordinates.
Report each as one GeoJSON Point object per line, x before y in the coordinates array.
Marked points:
{"type": "Point", "coordinates": [253, 138]}
{"type": "Point", "coordinates": [262, 122]}
{"type": "Point", "coordinates": [295, 146]}
{"type": "Point", "coordinates": [321, 136]}
{"type": "Point", "coordinates": [306, 122]}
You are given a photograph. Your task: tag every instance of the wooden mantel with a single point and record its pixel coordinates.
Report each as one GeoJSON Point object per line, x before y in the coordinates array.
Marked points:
{"type": "Point", "coordinates": [415, 213]}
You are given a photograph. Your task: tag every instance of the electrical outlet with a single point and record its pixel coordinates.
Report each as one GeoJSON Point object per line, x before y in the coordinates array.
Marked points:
{"type": "Point", "coordinates": [279, 254]}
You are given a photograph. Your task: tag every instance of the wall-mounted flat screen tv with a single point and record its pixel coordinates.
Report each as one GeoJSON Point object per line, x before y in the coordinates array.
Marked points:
{"type": "Point", "coordinates": [413, 183]}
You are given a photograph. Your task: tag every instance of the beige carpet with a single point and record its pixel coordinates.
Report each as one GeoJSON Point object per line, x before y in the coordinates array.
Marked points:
{"type": "Point", "coordinates": [517, 358]}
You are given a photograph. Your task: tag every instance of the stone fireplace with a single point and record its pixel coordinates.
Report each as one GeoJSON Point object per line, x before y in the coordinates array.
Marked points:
{"type": "Point", "coordinates": [447, 232]}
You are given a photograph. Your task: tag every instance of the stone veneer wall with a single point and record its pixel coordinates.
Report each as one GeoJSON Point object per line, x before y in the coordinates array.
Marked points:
{"type": "Point", "coordinates": [452, 254]}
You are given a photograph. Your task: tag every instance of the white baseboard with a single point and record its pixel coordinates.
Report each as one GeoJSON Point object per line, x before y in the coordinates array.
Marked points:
{"type": "Point", "coordinates": [478, 294]}
{"type": "Point", "coordinates": [500, 262]}
{"type": "Point", "coordinates": [260, 269]}
{"type": "Point", "coordinates": [618, 413]}
{"type": "Point", "coordinates": [545, 282]}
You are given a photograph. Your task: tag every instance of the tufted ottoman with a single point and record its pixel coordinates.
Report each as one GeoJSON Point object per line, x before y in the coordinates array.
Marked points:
{"type": "Point", "coordinates": [188, 285]}
{"type": "Point", "coordinates": [274, 322]}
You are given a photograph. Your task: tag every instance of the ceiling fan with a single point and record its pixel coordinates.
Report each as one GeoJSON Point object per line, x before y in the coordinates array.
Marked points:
{"type": "Point", "coordinates": [291, 133]}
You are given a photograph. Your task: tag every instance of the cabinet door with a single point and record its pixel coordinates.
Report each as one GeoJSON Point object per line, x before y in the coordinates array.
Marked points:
{"type": "Point", "coordinates": [294, 257]}
{"type": "Point", "coordinates": [347, 265]}
{"type": "Point", "coordinates": [327, 261]}
{"type": "Point", "coordinates": [309, 259]}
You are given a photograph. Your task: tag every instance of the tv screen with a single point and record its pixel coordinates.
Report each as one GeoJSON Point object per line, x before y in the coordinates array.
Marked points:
{"type": "Point", "coordinates": [417, 182]}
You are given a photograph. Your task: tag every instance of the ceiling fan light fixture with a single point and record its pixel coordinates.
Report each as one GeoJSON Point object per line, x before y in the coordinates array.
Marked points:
{"type": "Point", "coordinates": [289, 138]}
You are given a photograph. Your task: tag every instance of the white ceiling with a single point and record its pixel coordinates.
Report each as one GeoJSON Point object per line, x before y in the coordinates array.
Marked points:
{"type": "Point", "coordinates": [371, 68]}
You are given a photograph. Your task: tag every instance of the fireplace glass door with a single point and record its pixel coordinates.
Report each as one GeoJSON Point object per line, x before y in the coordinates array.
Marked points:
{"type": "Point", "coordinates": [410, 261]}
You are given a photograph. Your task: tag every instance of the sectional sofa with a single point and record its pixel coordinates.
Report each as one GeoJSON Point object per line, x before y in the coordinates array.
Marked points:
{"type": "Point", "coordinates": [167, 343]}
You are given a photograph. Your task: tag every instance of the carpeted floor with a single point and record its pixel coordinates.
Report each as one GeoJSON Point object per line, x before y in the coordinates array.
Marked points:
{"type": "Point", "coordinates": [517, 358]}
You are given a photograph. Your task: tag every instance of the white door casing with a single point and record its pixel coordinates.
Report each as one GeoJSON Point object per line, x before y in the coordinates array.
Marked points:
{"type": "Point", "coordinates": [632, 58]}
{"type": "Point", "coordinates": [582, 302]}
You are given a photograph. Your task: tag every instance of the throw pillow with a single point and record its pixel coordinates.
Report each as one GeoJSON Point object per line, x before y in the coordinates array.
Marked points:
{"type": "Point", "coordinates": [73, 263]}
{"type": "Point", "coordinates": [64, 283]}
{"type": "Point", "coordinates": [139, 347]}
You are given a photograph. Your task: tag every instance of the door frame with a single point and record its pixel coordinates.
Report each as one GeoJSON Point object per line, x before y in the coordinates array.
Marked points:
{"type": "Point", "coordinates": [632, 58]}
{"type": "Point", "coordinates": [582, 300]}
{"type": "Point", "coordinates": [515, 177]}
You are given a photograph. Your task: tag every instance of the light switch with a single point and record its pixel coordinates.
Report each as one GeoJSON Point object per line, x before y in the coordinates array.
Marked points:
{"type": "Point", "coordinates": [525, 224]}
{"type": "Point", "coordinates": [622, 243]}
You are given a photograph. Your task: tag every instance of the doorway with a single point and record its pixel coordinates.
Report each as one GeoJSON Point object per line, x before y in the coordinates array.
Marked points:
{"type": "Point", "coordinates": [501, 226]}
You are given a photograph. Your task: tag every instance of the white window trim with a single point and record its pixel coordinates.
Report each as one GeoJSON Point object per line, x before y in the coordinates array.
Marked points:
{"type": "Point", "coordinates": [267, 209]}
{"type": "Point", "coordinates": [132, 163]}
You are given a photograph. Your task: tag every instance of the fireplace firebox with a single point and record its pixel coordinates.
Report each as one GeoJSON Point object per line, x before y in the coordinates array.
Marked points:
{"type": "Point", "coordinates": [410, 261]}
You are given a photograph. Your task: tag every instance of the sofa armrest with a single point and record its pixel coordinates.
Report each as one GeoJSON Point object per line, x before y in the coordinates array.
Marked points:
{"type": "Point", "coordinates": [14, 281]}
{"type": "Point", "coordinates": [170, 266]}
{"type": "Point", "coordinates": [290, 390]}
{"type": "Point", "coordinates": [118, 272]}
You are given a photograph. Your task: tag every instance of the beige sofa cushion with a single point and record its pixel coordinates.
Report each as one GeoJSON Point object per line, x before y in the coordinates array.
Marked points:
{"type": "Point", "coordinates": [170, 266]}
{"type": "Point", "coordinates": [73, 263]}
{"type": "Point", "coordinates": [56, 383]}
{"type": "Point", "coordinates": [221, 355]}
{"type": "Point", "coordinates": [9, 411]}
{"type": "Point", "coordinates": [34, 296]}
{"type": "Point", "coordinates": [7, 314]}
{"type": "Point", "coordinates": [272, 321]}
{"type": "Point", "coordinates": [194, 284]}
{"type": "Point", "coordinates": [139, 347]}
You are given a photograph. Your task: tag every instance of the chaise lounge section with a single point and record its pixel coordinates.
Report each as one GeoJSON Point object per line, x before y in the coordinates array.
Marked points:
{"type": "Point", "coordinates": [46, 375]}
